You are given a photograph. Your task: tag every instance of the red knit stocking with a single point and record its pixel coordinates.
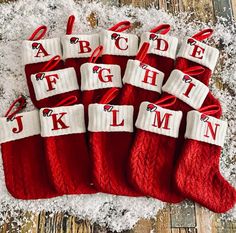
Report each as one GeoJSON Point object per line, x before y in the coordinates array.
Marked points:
{"type": "Point", "coordinates": [24, 162]}
{"type": "Point", "coordinates": [118, 46]}
{"type": "Point", "coordinates": [152, 155]}
{"type": "Point", "coordinates": [162, 51]}
{"type": "Point", "coordinates": [36, 53]}
{"type": "Point", "coordinates": [52, 86]}
{"type": "Point", "coordinates": [63, 130]}
{"type": "Point", "coordinates": [111, 128]}
{"type": "Point", "coordinates": [141, 82]}
{"type": "Point", "coordinates": [197, 175]}
{"type": "Point", "coordinates": [96, 79]}
{"type": "Point", "coordinates": [77, 48]}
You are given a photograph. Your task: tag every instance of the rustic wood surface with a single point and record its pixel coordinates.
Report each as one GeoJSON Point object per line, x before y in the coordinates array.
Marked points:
{"type": "Point", "coordinates": [172, 219]}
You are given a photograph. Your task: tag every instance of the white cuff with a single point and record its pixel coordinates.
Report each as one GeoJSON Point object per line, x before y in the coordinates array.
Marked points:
{"type": "Point", "coordinates": [118, 43]}
{"type": "Point", "coordinates": [205, 128]}
{"type": "Point", "coordinates": [186, 88]}
{"type": "Point", "coordinates": [97, 76]}
{"type": "Point", "coordinates": [22, 125]}
{"type": "Point", "coordinates": [199, 52]}
{"type": "Point", "coordinates": [78, 46]}
{"type": "Point", "coordinates": [47, 84]}
{"type": "Point", "coordinates": [162, 45]}
{"type": "Point", "coordinates": [158, 120]}
{"type": "Point", "coordinates": [40, 50]}
{"type": "Point", "coordinates": [135, 75]}
{"type": "Point", "coordinates": [110, 118]}
{"type": "Point", "coordinates": [62, 120]}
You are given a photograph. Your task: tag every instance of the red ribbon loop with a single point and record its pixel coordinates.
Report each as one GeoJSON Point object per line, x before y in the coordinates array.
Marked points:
{"type": "Point", "coordinates": [70, 25]}
{"type": "Point", "coordinates": [21, 102]}
{"type": "Point", "coordinates": [51, 64]}
{"type": "Point", "coordinates": [195, 70]}
{"type": "Point", "coordinates": [43, 29]}
{"type": "Point", "coordinates": [166, 101]}
{"type": "Point", "coordinates": [210, 110]}
{"type": "Point", "coordinates": [121, 26]}
{"type": "Point", "coordinates": [109, 96]}
{"type": "Point", "coordinates": [96, 54]}
{"type": "Point", "coordinates": [142, 51]}
{"type": "Point", "coordinates": [204, 34]}
{"type": "Point", "coordinates": [161, 29]}
{"type": "Point", "coordinates": [70, 100]}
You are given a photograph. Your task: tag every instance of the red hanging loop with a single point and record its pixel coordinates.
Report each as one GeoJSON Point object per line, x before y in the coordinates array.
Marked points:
{"type": "Point", "coordinates": [166, 101]}
{"type": "Point", "coordinates": [195, 70]}
{"type": "Point", "coordinates": [21, 101]}
{"type": "Point", "coordinates": [204, 34]}
{"type": "Point", "coordinates": [210, 110]}
{"type": "Point", "coordinates": [70, 100]}
{"type": "Point", "coordinates": [42, 29]}
{"type": "Point", "coordinates": [51, 64]}
{"type": "Point", "coordinates": [70, 25]}
{"type": "Point", "coordinates": [161, 29]}
{"type": "Point", "coordinates": [142, 52]}
{"type": "Point", "coordinates": [109, 96]}
{"type": "Point", "coordinates": [121, 26]}
{"type": "Point", "coordinates": [96, 54]}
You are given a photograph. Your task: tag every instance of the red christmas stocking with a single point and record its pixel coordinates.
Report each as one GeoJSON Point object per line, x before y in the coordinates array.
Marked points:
{"type": "Point", "coordinates": [77, 48]}
{"type": "Point", "coordinates": [37, 52]}
{"type": "Point", "coordinates": [118, 46]}
{"type": "Point", "coordinates": [152, 155]}
{"type": "Point", "coordinates": [162, 51]}
{"type": "Point", "coordinates": [197, 175]}
{"type": "Point", "coordinates": [24, 161]}
{"type": "Point", "coordinates": [52, 86]}
{"type": "Point", "coordinates": [111, 128]}
{"type": "Point", "coordinates": [96, 79]}
{"type": "Point", "coordinates": [63, 130]}
{"type": "Point", "coordinates": [141, 82]}
{"type": "Point", "coordinates": [193, 52]}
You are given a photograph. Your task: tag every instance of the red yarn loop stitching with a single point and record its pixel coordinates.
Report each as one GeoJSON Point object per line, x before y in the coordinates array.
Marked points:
{"type": "Point", "coordinates": [161, 29]}
{"type": "Point", "coordinates": [70, 100]}
{"type": "Point", "coordinates": [42, 29]}
{"type": "Point", "coordinates": [96, 54]}
{"type": "Point", "coordinates": [195, 70]}
{"type": "Point", "coordinates": [70, 25]}
{"type": "Point", "coordinates": [166, 101]}
{"type": "Point", "coordinates": [121, 26]}
{"type": "Point", "coordinates": [109, 96]}
{"type": "Point", "coordinates": [210, 110]}
{"type": "Point", "coordinates": [51, 64]}
{"type": "Point", "coordinates": [21, 102]}
{"type": "Point", "coordinates": [204, 34]}
{"type": "Point", "coordinates": [142, 51]}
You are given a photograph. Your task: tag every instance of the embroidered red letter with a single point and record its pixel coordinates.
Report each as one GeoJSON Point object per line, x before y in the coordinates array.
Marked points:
{"type": "Point", "coordinates": [19, 124]}
{"type": "Point", "coordinates": [57, 121]}
{"type": "Point", "coordinates": [51, 81]}
{"type": "Point", "coordinates": [213, 132]}
{"type": "Point", "coordinates": [198, 52]}
{"type": "Point", "coordinates": [84, 46]}
{"type": "Point", "coordinates": [158, 121]}
{"type": "Point", "coordinates": [121, 43]}
{"type": "Point", "coordinates": [162, 45]}
{"type": "Point", "coordinates": [41, 50]}
{"type": "Point", "coordinates": [153, 77]}
{"type": "Point", "coordinates": [190, 86]}
{"type": "Point", "coordinates": [114, 119]}
{"type": "Point", "coordinates": [109, 76]}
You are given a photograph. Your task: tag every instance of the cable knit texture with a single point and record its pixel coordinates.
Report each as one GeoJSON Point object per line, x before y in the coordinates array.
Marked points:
{"type": "Point", "coordinates": [25, 169]}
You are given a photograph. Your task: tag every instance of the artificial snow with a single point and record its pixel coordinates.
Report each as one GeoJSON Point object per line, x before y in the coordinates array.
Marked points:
{"type": "Point", "coordinates": [19, 19]}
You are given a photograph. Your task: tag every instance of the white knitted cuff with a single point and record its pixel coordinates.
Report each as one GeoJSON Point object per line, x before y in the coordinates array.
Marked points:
{"type": "Point", "coordinates": [188, 89]}
{"type": "Point", "coordinates": [110, 118]}
{"type": "Point", "coordinates": [158, 120]}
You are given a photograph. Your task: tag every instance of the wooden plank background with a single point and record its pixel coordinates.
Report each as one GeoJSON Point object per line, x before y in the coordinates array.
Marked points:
{"type": "Point", "coordinates": [172, 219]}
